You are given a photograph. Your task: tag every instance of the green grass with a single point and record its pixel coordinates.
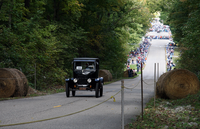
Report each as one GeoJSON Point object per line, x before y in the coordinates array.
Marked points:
{"type": "Point", "coordinates": [176, 55]}
{"type": "Point", "coordinates": [10, 98]}
{"type": "Point", "coordinates": [172, 114]}
{"type": "Point", "coordinates": [176, 51]}
{"type": "Point", "coordinates": [50, 90]}
{"type": "Point", "coordinates": [114, 80]}
{"type": "Point", "coordinates": [133, 66]}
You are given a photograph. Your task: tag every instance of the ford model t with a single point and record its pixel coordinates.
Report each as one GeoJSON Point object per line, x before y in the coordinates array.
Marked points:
{"type": "Point", "coordinates": [85, 77]}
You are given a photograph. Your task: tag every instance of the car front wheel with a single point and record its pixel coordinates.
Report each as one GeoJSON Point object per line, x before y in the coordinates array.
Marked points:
{"type": "Point", "coordinates": [97, 90]}
{"type": "Point", "coordinates": [101, 90]}
{"type": "Point", "coordinates": [67, 90]}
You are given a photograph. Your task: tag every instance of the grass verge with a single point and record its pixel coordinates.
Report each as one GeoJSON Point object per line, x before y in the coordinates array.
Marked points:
{"type": "Point", "coordinates": [170, 114]}
{"type": "Point", "coordinates": [34, 93]}
{"type": "Point", "coordinates": [114, 80]}
{"type": "Point", "coordinates": [58, 89]}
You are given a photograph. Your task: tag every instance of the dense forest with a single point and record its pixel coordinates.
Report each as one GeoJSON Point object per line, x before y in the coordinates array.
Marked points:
{"type": "Point", "coordinates": [48, 34]}
{"type": "Point", "coordinates": [183, 18]}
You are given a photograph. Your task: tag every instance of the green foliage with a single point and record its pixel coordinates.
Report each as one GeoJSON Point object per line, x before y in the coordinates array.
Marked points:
{"type": "Point", "coordinates": [51, 33]}
{"type": "Point", "coordinates": [164, 17]}
{"type": "Point", "coordinates": [110, 28]}
{"type": "Point", "coordinates": [155, 5]}
{"type": "Point", "coordinates": [183, 18]}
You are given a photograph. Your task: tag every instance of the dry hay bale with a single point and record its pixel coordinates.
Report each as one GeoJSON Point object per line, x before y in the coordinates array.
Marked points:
{"type": "Point", "coordinates": [107, 76]}
{"type": "Point", "coordinates": [126, 73]}
{"type": "Point", "coordinates": [19, 83]}
{"type": "Point", "coordinates": [24, 84]}
{"type": "Point", "coordinates": [103, 73]}
{"type": "Point", "coordinates": [159, 89]}
{"type": "Point", "coordinates": [179, 83]}
{"type": "Point", "coordinates": [15, 80]}
{"type": "Point", "coordinates": [7, 83]}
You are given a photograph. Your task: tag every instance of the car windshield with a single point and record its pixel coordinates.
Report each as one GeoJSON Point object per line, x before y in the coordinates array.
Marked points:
{"type": "Point", "coordinates": [89, 66]}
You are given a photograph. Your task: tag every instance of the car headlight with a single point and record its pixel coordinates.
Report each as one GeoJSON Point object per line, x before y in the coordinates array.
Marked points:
{"type": "Point", "coordinates": [75, 80]}
{"type": "Point", "coordinates": [89, 80]}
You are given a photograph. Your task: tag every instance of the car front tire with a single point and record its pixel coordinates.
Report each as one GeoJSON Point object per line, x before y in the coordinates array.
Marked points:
{"type": "Point", "coordinates": [67, 90]}
{"type": "Point", "coordinates": [101, 90]}
{"type": "Point", "coordinates": [97, 90]}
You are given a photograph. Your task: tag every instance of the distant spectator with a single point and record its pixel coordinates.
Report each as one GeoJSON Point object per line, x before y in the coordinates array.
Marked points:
{"type": "Point", "coordinates": [128, 66]}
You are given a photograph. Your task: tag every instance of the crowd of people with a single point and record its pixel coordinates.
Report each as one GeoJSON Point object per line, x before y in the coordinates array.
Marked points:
{"type": "Point", "coordinates": [138, 56]}
{"type": "Point", "coordinates": [159, 27]}
{"type": "Point", "coordinates": [158, 37]}
{"type": "Point", "coordinates": [170, 53]}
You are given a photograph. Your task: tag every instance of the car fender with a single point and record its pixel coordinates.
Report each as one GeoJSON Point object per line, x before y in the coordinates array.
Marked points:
{"type": "Point", "coordinates": [101, 80]}
{"type": "Point", "coordinates": [69, 81]}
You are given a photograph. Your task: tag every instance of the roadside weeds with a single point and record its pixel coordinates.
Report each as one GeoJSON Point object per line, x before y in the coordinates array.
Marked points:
{"type": "Point", "coordinates": [170, 114]}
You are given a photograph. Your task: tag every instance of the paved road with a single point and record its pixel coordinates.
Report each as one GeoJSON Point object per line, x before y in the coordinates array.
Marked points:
{"type": "Point", "coordinates": [104, 116]}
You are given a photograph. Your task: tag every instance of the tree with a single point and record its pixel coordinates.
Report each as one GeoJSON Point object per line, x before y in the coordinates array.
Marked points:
{"type": "Point", "coordinates": [184, 20]}
{"type": "Point", "coordinates": [110, 26]}
{"type": "Point", "coordinates": [50, 33]}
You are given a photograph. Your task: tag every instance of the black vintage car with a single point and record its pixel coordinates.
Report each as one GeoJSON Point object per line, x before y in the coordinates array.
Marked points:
{"type": "Point", "coordinates": [85, 77]}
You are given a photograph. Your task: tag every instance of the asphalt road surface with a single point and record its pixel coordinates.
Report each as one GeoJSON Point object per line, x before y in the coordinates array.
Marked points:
{"type": "Point", "coordinates": [84, 111]}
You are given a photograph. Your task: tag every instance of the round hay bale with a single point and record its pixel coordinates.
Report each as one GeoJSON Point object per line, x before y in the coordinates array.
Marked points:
{"type": "Point", "coordinates": [178, 83]}
{"type": "Point", "coordinates": [126, 73]}
{"type": "Point", "coordinates": [19, 83]}
{"type": "Point", "coordinates": [7, 83]}
{"type": "Point", "coordinates": [159, 89]}
{"type": "Point", "coordinates": [24, 85]}
{"type": "Point", "coordinates": [107, 76]}
{"type": "Point", "coordinates": [13, 84]}
{"type": "Point", "coordinates": [110, 75]}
